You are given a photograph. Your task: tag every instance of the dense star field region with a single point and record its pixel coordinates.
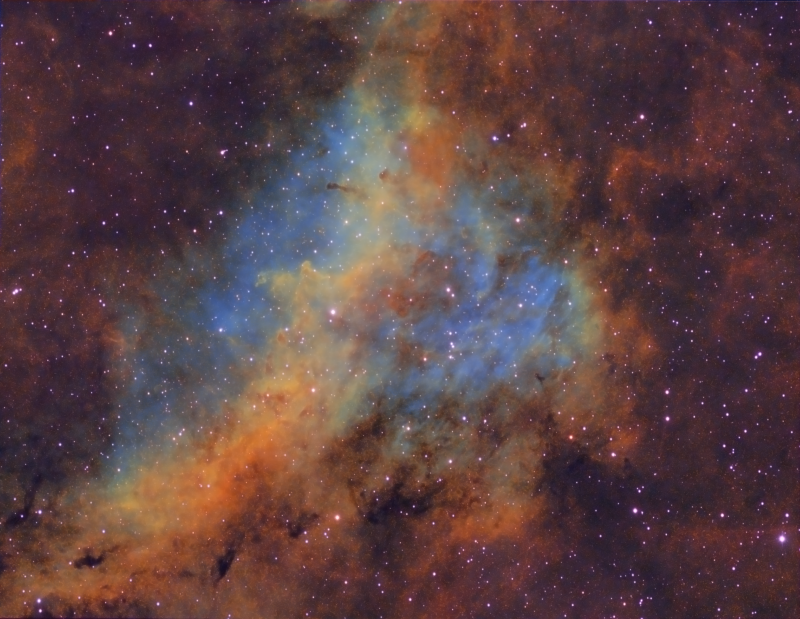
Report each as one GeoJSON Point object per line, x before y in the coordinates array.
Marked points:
{"type": "Point", "coordinates": [400, 310]}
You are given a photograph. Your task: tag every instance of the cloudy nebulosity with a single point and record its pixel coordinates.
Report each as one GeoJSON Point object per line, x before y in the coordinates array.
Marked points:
{"type": "Point", "coordinates": [351, 310]}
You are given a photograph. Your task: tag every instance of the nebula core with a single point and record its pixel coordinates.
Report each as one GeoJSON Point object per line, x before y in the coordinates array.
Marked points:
{"type": "Point", "coordinates": [400, 310]}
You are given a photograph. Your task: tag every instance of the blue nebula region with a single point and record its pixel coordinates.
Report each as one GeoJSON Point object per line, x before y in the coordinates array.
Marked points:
{"type": "Point", "coordinates": [492, 323]}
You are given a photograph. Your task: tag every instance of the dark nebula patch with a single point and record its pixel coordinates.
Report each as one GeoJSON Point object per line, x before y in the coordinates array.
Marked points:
{"type": "Point", "coordinates": [398, 500]}
{"type": "Point", "coordinates": [223, 564]}
{"type": "Point", "coordinates": [23, 515]}
{"type": "Point", "coordinates": [300, 525]}
{"type": "Point", "coordinates": [88, 560]}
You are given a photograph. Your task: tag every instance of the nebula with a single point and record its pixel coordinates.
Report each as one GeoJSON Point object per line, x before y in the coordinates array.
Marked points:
{"type": "Point", "coordinates": [391, 310]}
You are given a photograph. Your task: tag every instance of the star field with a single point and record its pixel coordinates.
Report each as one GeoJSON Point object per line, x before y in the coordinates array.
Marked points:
{"type": "Point", "coordinates": [400, 310]}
